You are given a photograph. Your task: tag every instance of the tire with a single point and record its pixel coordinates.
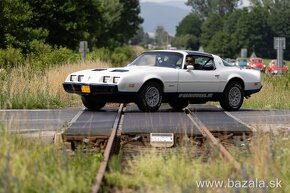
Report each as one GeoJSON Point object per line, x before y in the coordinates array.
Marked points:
{"type": "Point", "coordinates": [178, 105]}
{"type": "Point", "coordinates": [92, 103]}
{"type": "Point", "coordinates": [149, 98]}
{"type": "Point", "coordinates": [232, 97]}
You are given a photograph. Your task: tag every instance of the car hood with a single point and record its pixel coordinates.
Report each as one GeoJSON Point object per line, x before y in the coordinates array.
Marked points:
{"type": "Point", "coordinates": [258, 64]}
{"type": "Point", "coordinates": [118, 71]}
{"type": "Point", "coordinates": [97, 75]}
{"type": "Point", "coordinates": [242, 63]}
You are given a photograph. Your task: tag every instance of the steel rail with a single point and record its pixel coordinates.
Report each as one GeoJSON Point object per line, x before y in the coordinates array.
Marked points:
{"type": "Point", "coordinates": [102, 169]}
{"type": "Point", "coordinates": [213, 141]}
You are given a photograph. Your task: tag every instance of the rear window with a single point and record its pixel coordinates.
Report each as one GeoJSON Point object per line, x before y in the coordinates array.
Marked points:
{"type": "Point", "coordinates": [227, 63]}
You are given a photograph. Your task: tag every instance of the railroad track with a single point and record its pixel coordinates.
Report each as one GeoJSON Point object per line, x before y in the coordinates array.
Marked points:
{"type": "Point", "coordinates": [122, 139]}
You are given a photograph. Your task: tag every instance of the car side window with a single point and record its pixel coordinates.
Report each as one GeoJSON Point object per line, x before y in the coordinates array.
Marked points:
{"type": "Point", "coordinates": [204, 63]}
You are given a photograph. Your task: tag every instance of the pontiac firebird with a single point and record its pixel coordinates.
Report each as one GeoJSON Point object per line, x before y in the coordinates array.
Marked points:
{"type": "Point", "coordinates": [163, 76]}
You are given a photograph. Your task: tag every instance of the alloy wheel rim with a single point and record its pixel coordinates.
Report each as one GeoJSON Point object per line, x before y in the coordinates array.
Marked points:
{"type": "Point", "coordinates": [234, 97]}
{"type": "Point", "coordinates": [152, 96]}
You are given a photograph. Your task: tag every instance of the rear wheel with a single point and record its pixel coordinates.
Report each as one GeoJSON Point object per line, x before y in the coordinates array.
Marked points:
{"type": "Point", "coordinates": [178, 105]}
{"type": "Point", "coordinates": [150, 97]}
{"type": "Point", "coordinates": [233, 97]}
{"type": "Point", "coordinates": [92, 103]}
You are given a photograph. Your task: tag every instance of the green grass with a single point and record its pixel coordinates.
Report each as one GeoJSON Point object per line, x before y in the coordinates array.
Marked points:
{"type": "Point", "coordinates": [29, 166]}
{"type": "Point", "coordinates": [267, 159]}
{"type": "Point", "coordinates": [275, 93]}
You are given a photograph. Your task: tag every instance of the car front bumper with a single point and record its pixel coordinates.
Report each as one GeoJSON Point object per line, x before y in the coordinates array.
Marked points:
{"type": "Point", "coordinates": [109, 93]}
{"type": "Point", "coordinates": [93, 88]}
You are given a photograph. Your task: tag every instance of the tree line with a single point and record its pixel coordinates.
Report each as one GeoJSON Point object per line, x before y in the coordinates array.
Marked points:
{"type": "Point", "coordinates": [219, 27]}
{"type": "Point", "coordinates": [222, 28]}
{"type": "Point", "coordinates": [103, 23]}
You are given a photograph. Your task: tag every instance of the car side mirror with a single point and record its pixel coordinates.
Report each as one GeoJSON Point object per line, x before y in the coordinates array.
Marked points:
{"type": "Point", "coordinates": [189, 68]}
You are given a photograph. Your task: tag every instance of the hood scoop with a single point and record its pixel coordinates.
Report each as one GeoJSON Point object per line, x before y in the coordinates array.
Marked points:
{"type": "Point", "coordinates": [119, 70]}
{"type": "Point", "coordinates": [99, 69]}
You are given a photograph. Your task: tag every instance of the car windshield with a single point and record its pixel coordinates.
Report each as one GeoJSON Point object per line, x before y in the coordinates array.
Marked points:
{"type": "Point", "coordinates": [243, 60]}
{"type": "Point", "coordinates": [274, 62]}
{"type": "Point", "coordinates": [161, 59]}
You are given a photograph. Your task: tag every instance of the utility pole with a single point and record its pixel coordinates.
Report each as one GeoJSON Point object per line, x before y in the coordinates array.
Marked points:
{"type": "Point", "coordinates": [279, 45]}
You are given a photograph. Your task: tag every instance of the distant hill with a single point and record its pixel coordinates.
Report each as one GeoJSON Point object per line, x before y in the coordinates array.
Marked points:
{"type": "Point", "coordinates": [166, 14]}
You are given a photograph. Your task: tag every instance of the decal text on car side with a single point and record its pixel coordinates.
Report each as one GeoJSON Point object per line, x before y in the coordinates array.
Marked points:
{"type": "Point", "coordinates": [194, 95]}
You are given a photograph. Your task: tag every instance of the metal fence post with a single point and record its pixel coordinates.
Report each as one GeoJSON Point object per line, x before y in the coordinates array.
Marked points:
{"type": "Point", "coordinates": [83, 49]}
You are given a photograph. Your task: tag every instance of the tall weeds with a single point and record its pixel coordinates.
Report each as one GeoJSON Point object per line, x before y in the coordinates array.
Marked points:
{"type": "Point", "coordinates": [266, 160]}
{"type": "Point", "coordinates": [274, 94]}
{"type": "Point", "coordinates": [24, 88]}
{"type": "Point", "coordinates": [30, 166]}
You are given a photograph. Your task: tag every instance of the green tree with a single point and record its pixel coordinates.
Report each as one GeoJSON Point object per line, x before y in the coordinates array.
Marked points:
{"type": "Point", "coordinates": [188, 32]}
{"type": "Point", "coordinates": [191, 24]}
{"type": "Point", "coordinates": [68, 22]}
{"type": "Point", "coordinates": [254, 33]}
{"type": "Point", "coordinates": [205, 8]}
{"type": "Point", "coordinates": [271, 5]}
{"type": "Point", "coordinates": [279, 22]}
{"type": "Point", "coordinates": [221, 44]}
{"type": "Point", "coordinates": [2, 39]}
{"type": "Point", "coordinates": [15, 25]}
{"type": "Point", "coordinates": [212, 25]}
{"type": "Point", "coordinates": [186, 41]}
{"type": "Point", "coordinates": [102, 23]}
{"type": "Point", "coordinates": [230, 27]}
{"type": "Point", "coordinates": [142, 38]}
{"type": "Point", "coordinates": [129, 21]}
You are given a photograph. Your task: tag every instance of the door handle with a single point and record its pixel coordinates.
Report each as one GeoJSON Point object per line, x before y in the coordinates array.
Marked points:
{"type": "Point", "coordinates": [217, 75]}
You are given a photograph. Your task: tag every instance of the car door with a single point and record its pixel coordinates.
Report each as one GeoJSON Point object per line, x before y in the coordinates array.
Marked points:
{"type": "Point", "coordinates": [204, 78]}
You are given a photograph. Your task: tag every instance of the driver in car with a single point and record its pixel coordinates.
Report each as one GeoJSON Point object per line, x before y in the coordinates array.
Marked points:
{"type": "Point", "coordinates": [189, 61]}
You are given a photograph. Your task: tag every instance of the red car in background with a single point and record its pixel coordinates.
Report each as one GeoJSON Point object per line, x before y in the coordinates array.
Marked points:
{"type": "Point", "coordinates": [273, 67]}
{"type": "Point", "coordinates": [257, 64]}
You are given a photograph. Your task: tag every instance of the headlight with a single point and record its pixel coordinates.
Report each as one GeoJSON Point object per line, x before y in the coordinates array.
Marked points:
{"type": "Point", "coordinates": [106, 79]}
{"type": "Point", "coordinates": [116, 79]}
{"type": "Point", "coordinates": [80, 78]}
{"type": "Point", "coordinates": [73, 78]}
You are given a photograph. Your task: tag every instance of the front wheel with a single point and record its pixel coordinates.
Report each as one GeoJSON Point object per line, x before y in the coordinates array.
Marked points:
{"type": "Point", "coordinates": [233, 97]}
{"type": "Point", "coordinates": [150, 97]}
{"type": "Point", "coordinates": [92, 103]}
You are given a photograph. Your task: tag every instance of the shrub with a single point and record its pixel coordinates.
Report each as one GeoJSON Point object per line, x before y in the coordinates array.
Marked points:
{"type": "Point", "coordinates": [122, 55]}
{"type": "Point", "coordinates": [44, 56]}
{"type": "Point", "coordinates": [102, 54]}
{"type": "Point", "coordinates": [118, 57]}
{"type": "Point", "coordinates": [10, 58]}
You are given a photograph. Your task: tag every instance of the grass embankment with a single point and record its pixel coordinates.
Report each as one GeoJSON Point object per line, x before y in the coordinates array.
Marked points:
{"type": "Point", "coordinates": [29, 166]}
{"type": "Point", "coordinates": [275, 93]}
{"type": "Point", "coordinates": [23, 88]}
{"type": "Point", "coordinates": [265, 162]}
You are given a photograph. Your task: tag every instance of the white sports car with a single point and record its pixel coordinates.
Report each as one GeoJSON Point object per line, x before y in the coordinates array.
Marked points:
{"type": "Point", "coordinates": [164, 76]}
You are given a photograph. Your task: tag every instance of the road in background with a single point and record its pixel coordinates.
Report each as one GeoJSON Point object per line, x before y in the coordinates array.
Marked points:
{"type": "Point", "coordinates": [36, 120]}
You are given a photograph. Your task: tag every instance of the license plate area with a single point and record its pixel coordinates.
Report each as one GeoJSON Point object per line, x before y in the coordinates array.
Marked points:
{"type": "Point", "coordinates": [161, 139]}
{"type": "Point", "coordinates": [86, 89]}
